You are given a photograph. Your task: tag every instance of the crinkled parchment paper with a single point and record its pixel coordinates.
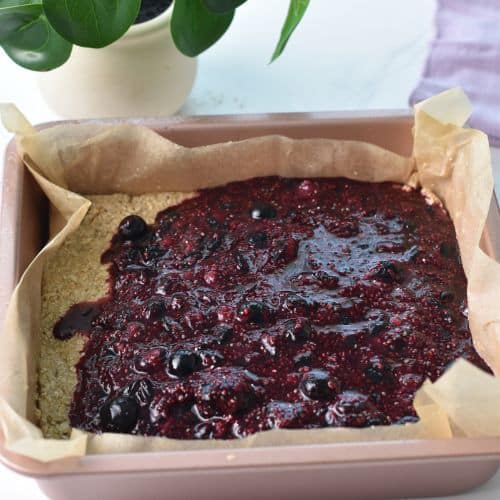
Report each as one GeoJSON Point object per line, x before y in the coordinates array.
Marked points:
{"type": "Point", "coordinates": [449, 161]}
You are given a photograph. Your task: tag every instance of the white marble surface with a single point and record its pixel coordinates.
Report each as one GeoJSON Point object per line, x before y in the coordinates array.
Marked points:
{"type": "Point", "coordinates": [356, 54]}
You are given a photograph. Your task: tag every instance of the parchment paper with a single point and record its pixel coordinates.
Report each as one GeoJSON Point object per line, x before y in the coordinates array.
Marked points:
{"type": "Point", "coordinates": [450, 162]}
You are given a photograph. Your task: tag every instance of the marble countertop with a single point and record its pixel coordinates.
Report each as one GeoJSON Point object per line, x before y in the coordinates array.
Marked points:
{"type": "Point", "coordinates": [350, 55]}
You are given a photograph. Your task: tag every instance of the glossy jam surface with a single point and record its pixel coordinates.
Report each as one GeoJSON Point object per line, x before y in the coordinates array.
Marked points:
{"type": "Point", "coordinates": [272, 303]}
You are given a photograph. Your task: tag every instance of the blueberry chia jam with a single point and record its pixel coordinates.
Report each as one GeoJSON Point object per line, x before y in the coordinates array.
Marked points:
{"type": "Point", "coordinates": [271, 303]}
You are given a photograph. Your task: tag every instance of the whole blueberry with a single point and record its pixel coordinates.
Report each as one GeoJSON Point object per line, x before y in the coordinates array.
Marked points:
{"type": "Point", "coordinates": [183, 363]}
{"type": "Point", "coordinates": [317, 384]}
{"type": "Point", "coordinates": [377, 370]}
{"type": "Point", "coordinates": [119, 414]}
{"type": "Point", "coordinates": [262, 211]}
{"type": "Point", "coordinates": [252, 312]}
{"type": "Point", "coordinates": [132, 227]}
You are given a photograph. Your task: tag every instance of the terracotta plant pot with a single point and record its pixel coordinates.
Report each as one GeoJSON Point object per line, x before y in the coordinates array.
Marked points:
{"type": "Point", "coordinates": [143, 74]}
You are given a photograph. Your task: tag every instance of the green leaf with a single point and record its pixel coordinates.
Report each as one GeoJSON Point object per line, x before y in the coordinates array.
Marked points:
{"type": "Point", "coordinates": [37, 46]}
{"type": "Point", "coordinates": [223, 6]}
{"type": "Point", "coordinates": [91, 23]}
{"type": "Point", "coordinates": [296, 12]}
{"type": "Point", "coordinates": [14, 14]}
{"type": "Point", "coordinates": [27, 37]}
{"type": "Point", "coordinates": [195, 28]}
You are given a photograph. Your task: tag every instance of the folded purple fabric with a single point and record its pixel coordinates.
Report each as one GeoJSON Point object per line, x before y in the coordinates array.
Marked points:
{"type": "Point", "coordinates": [466, 53]}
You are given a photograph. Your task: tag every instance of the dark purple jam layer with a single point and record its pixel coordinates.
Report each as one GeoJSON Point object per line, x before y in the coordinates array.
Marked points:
{"type": "Point", "coordinates": [272, 303]}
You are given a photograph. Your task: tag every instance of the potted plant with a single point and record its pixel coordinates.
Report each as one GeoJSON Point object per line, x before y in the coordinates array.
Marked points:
{"type": "Point", "coordinates": [146, 58]}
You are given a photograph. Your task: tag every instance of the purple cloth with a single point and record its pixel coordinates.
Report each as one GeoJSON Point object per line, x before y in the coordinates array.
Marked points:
{"type": "Point", "coordinates": [466, 53]}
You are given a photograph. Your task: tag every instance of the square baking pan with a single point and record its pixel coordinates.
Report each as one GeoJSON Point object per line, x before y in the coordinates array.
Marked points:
{"type": "Point", "coordinates": [345, 470]}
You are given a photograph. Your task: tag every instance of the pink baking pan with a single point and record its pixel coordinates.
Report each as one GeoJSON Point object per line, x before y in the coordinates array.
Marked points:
{"type": "Point", "coordinates": [345, 470]}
